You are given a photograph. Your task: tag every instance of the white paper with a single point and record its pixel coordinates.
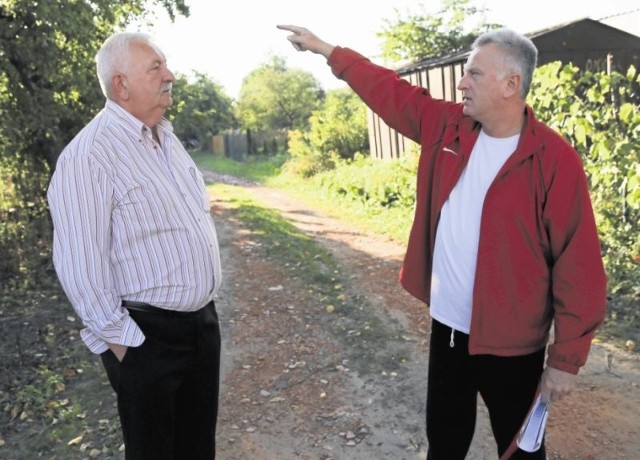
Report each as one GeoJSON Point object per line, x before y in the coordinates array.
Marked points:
{"type": "Point", "coordinates": [532, 431]}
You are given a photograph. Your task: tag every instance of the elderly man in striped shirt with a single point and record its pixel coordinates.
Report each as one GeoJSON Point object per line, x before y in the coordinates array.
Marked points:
{"type": "Point", "coordinates": [136, 252]}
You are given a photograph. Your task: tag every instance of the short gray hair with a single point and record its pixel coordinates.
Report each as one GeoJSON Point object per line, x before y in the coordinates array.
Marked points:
{"type": "Point", "coordinates": [113, 56]}
{"type": "Point", "coordinates": [521, 55]}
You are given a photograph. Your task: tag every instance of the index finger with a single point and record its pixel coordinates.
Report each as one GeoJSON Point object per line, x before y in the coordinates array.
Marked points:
{"type": "Point", "coordinates": [290, 28]}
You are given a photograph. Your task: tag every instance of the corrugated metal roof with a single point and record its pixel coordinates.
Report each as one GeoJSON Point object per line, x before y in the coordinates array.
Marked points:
{"type": "Point", "coordinates": [463, 55]}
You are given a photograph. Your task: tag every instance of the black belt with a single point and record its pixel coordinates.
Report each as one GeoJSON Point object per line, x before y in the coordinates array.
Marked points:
{"type": "Point", "coordinates": [148, 308]}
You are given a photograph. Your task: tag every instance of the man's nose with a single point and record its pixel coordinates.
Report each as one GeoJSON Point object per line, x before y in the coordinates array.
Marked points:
{"type": "Point", "coordinates": [462, 84]}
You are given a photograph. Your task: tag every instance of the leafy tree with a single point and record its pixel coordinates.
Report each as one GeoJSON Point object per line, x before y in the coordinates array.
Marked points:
{"type": "Point", "coordinates": [48, 91]}
{"type": "Point", "coordinates": [200, 110]}
{"type": "Point", "coordinates": [340, 127]}
{"type": "Point", "coordinates": [419, 36]}
{"type": "Point", "coordinates": [336, 131]}
{"type": "Point", "coordinates": [48, 87]}
{"type": "Point", "coordinates": [600, 115]}
{"type": "Point", "coordinates": [274, 97]}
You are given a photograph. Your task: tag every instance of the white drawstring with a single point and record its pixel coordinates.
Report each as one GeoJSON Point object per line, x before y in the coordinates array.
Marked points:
{"type": "Point", "coordinates": [451, 344]}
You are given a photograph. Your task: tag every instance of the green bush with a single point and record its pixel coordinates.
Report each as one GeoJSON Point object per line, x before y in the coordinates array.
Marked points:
{"type": "Point", "coordinates": [374, 184]}
{"type": "Point", "coordinates": [598, 114]}
{"type": "Point", "coordinates": [25, 226]}
{"type": "Point", "coordinates": [337, 131]}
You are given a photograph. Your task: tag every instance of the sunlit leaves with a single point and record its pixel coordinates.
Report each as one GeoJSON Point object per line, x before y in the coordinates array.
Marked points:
{"type": "Point", "coordinates": [415, 36]}
{"type": "Point", "coordinates": [598, 113]}
{"type": "Point", "coordinates": [48, 91]}
{"type": "Point", "coordinates": [274, 97]}
{"type": "Point", "coordinates": [200, 110]}
{"type": "Point", "coordinates": [628, 112]}
{"type": "Point", "coordinates": [633, 198]}
{"type": "Point", "coordinates": [337, 130]}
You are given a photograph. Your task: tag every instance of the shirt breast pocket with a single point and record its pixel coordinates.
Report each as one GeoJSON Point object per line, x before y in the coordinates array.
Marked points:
{"type": "Point", "coordinates": [139, 202]}
{"type": "Point", "coordinates": [199, 188]}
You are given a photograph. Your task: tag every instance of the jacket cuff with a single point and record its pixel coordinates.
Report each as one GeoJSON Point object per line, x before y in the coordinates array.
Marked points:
{"type": "Point", "coordinates": [341, 58]}
{"type": "Point", "coordinates": [563, 365]}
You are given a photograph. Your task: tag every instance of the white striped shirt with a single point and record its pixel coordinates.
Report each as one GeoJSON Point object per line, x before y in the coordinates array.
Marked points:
{"type": "Point", "coordinates": [131, 221]}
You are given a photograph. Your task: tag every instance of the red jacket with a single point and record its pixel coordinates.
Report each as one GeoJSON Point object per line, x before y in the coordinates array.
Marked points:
{"type": "Point", "coordinates": [539, 259]}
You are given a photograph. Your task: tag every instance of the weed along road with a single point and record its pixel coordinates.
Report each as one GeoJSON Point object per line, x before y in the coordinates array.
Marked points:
{"type": "Point", "coordinates": [324, 354]}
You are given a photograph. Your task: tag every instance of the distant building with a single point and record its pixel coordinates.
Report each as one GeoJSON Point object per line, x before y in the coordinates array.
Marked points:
{"type": "Point", "coordinates": [586, 43]}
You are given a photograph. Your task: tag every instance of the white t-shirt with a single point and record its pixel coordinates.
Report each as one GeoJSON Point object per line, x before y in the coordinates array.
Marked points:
{"type": "Point", "coordinates": [456, 248]}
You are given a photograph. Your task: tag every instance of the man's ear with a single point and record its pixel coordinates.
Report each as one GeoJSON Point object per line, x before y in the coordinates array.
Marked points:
{"type": "Point", "coordinates": [120, 87]}
{"type": "Point", "coordinates": [512, 85]}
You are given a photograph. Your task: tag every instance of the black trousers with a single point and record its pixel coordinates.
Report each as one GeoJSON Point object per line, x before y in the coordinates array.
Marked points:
{"type": "Point", "coordinates": [506, 384]}
{"type": "Point", "coordinates": [167, 388]}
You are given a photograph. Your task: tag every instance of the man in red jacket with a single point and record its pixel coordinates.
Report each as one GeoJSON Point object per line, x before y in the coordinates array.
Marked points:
{"type": "Point", "coordinates": [503, 245]}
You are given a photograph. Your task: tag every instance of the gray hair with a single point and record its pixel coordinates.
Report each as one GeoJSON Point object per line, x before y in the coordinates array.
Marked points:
{"type": "Point", "coordinates": [114, 56]}
{"type": "Point", "coordinates": [520, 54]}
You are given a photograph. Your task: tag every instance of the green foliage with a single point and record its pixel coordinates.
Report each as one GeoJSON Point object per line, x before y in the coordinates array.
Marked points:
{"type": "Point", "coordinates": [374, 195]}
{"type": "Point", "coordinates": [39, 398]}
{"type": "Point", "coordinates": [48, 92]}
{"type": "Point", "coordinates": [48, 86]}
{"type": "Point", "coordinates": [340, 128]}
{"type": "Point", "coordinates": [374, 184]}
{"type": "Point", "coordinates": [261, 169]}
{"type": "Point", "coordinates": [378, 196]}
{"type": "Point", "coordinates": [45, 89]}
{"type": "Point", "coordinates": [416, 36]}
{"type": "Point", "coordinates": [274, 97]}
{"type": "Point", "coordinates": [200, 110]}
{"type": "Point", "coordinates": [336, 131]}
{"type": "Point", "coordinates": [306, 161]}
{"type": "Point", "coordinates": [599, 115]}
{"type": "Point", "coordinates": [24, 221]}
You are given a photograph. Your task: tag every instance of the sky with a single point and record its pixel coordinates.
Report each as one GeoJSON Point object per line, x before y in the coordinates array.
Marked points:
{"type": "Point", "coordinates": [227, 40]}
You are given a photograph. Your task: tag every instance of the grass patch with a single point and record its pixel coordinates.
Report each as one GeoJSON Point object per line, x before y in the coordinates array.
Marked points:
{"type": "Point", "coordinates": [372, 196]}
{"type": "Point", "coordinates": [260, 169]}
{"type": "Point", "coordinates": [282, 242]}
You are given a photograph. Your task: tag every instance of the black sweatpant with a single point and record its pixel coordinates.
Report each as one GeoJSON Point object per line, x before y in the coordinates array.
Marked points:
{"type": "Point", "coordinates": [506, 384]}
{"type": "Point", "coordinates": [167, 388]}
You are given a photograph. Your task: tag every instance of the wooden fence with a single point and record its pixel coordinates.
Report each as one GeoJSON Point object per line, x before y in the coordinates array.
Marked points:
{"type": "Point", "coordinates": [238, 144]}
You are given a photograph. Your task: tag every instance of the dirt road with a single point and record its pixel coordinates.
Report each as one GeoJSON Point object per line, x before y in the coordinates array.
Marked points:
{"type": "Point", "coordinates": [301, 381]}
{"type": "Point", "coordinates": [332, 368]}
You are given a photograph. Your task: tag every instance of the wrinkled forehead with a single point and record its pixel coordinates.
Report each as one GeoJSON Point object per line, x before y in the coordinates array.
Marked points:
{"type": "Point", "coordinates": [141, 48]}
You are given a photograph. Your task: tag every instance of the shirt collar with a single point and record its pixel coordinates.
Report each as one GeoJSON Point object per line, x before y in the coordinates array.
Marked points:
{"type": "Point", "coordinates": [132, 123]}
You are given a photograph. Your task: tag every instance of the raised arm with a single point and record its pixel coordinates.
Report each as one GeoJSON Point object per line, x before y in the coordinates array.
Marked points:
{"type": "Point", "coordinates": [304, 40]}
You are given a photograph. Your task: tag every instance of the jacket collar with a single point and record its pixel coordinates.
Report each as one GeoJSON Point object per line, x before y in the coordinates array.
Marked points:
{"type": "Point", "coordinates": [530, 139]}
{"type": "Point", "coordinates": [463, 131]}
